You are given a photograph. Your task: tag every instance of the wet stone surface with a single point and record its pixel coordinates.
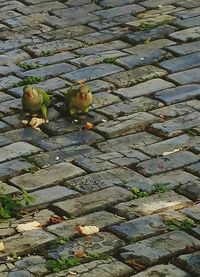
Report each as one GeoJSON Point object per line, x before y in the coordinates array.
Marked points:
{"type": "Point", "coordinates": [128, 165]}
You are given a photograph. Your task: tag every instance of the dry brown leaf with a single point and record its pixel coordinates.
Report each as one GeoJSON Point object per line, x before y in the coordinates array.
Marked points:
{"type": "Point", "coordinates": [54, 219]}
{"type": "Point", "coordinates": [2, 246]}
{"type": "Point", "coordinates": [136, 263]}
{"type": "Point", "coordinates": [80, 253]}
{"type": "Point", "coordinates": [28, 226]}
{"type": "Point", "coordinates": [88, 126]}
{"type": "Point", "coordinates": [87, 230]}
{"type": "Point", "coordinates": [81, 82]}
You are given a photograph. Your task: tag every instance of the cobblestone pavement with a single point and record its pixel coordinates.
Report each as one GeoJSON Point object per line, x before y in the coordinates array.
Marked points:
{"type": "Point", "coordinates": [136, 173]}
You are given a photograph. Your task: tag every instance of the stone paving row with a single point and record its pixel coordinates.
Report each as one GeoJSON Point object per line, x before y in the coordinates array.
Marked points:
{"type": "Point", "coordinates": [136, 174]}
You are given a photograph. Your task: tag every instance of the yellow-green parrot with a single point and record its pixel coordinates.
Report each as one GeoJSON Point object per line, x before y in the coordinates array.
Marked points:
{"type": "Point", "coordinates": [79, 99]}
{"type": "Point", "coordinates": [35, 100]}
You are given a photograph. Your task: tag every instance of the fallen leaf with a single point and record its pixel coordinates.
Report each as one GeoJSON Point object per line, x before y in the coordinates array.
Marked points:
{"type": "Point", "coordinates": [171, 152]}
{"type": "Point", "coordinates": [190, 248]}
{"type": "Point", "coordinates": [80, 253]}
{"type": "Point", "coordinates": [2, 247]}
{"type": "Point", "coordinates": [54, 219]}
{"type": "Point", "coordinates": [87, 230]}
{"type": "Point", "coordinates": [35, 122]}
{"type": "Point", "coordinates": [81, 82]}
{"type": "Point", "coordinates": [88, 126]}
{"type": "Point", "coordinates": [72, 273]}
{"type": "Point", "coordinates": [136, 263]}
{"type": "Point", "coordinates": [28, 226]}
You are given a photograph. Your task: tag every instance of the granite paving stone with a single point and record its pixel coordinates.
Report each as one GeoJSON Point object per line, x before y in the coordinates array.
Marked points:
{"type": "Point", "coordinates": [188, 23]}
{"type": "Point", "coordinates": [47, 177]}
{"type": "Point", "coordinates": [123, 10]}
{"type": "Point", "coordinates": [100, 243]}
{"type": "Point", "coordinates": [182, 63]}
{"type": "Point", "coordinates": [185, 77]}
{"type": "Point", "coordinates": [72, 139]}
{"type": "Point", "coordinates": [35, 264]}
{"type": "Point", "coordinates": [151, 204]}
{"type": "Point", "coordinates": [93, 201]}
{"type": "Point", "coordinates": [30, 241]}
{"type": "Point", "coordinates": [137, 140]}
{"type": "Point", "coordinates": [103, 36]}
{"type": "Point", "coordinates": [46, 159]}
{"type": "Point", "coordinates": [151, 34]}
{"type": "Point", "coordinates": [167, 270]}
{"type": "Point", "coordinates": [127, 165]}
{"type": "Point", "coordinates": [110, 22]}
{"type": "Point", "coordinates": [192, 190]}
{"type": "Point", "coordinates": [43, 198]}
{"type": "Point", "coordinates": [26, 134]}
{"type": "Point", "coordinates": [185, 48]}
{"type": "Point", "coordinates": [154, 4]}
{"type": "Point", "coordinates": [129, 107]}
{"type": "Point", "coordinates": [92, 72]}
{"type": "Point", "coordinates": [176, 125]}
{"type": "Point", "coordinates": [15, 167]}
{"type": "Point", "coordinates": [188, 14]}
{"type": "Point", "coordinates": [97, 268]}
{"type": "Point", "coordinates": [158, 248]}
{"type": "Point", "coordinates": [134, 76]}
{"type": "Point", "coordinates": [193, 212]}
{"type": "Point", "coordinates": [167, 163]}
{"type": "Point", "coordinates": [152, 45]}
{"type": "Point", "coordinates": [144, 88]}
{"type": "Point", "coordinates": [189, 4]}
{"type": "Point", "coordinates": [189, 262]}
{"type": "Point", "coordinates": [53, 46]}
{"type": "Point", "coordinates": [177, 109]}
{"type": "Point", "coordinates": [101, 219]}
{"type": "Point", "coordinates": [189, 34]}
{"type": "Point", "coordinates": [126, 125]}
{"type": "Point", "coordinates": [140, 228]}
{"type": "Point", "coordinates": [97, 58]}
{"type": "Point", "coordinates": [173, 179]}
{"type": "Point", "coordinates": [102, 47]}
{"type": "Point", "coordinates": [49, 71]}
{"type": "Point", "coordinates": [178, 94]}
{"type": "Point", "coordinates": [179, 142]}
{"type": "Point", "coordinates": [142, 58]}
{"type": "Point", "coordinates": [93, 182]}
{"type": "Point", "coordinates": [17, 149]}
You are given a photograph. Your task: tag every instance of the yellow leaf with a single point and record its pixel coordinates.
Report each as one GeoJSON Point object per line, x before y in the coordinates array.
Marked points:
{"type": "Point", "coordinates": [2, 247]}
{"type": "Point", "coordinates": [87, 230]}
{"type": "Point", "coordinates": [28, 226]}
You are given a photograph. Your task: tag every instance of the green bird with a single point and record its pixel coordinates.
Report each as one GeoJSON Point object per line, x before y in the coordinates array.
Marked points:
{"type": "Point", "coordinates": [79, 99]}
{"type": "Point", "coordinates": [35, 100]}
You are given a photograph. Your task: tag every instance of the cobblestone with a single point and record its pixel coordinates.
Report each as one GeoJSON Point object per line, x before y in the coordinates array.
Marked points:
{"type": "Point", "coordinates": [45, 177]}
{"type": "Point", "coordinates": [177, 125]}
{"type": "Point", "coordinates": [158, 248]}
{"type": "Point", "coordinates": [136, 166]}
{"type": "Point", "coordinates": [131, 77]}
{"type": "Point", "coordinates": [152, 204]}
{"type": "Point", "coordinates": [97, 268]}
{"type": "Point", "coordinates": [94, 201]}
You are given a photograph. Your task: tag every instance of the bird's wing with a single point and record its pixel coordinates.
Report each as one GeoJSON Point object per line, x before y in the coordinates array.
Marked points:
{"type": "Point", "coordinates": [45, 97]}
{"type": "Point", "coordinates": [70, 94]}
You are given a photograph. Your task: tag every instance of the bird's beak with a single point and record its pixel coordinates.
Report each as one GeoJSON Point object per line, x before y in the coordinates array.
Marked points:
{"type": "Point", "coordinates": [29, 93]}
{"type": "Point", "coordinates": [83, 96]}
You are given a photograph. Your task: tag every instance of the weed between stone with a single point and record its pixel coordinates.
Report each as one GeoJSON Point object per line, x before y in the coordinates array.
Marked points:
{"type": "Point", "coordinates": [30, 80]}
{"type": "Point", "coordinates": [176, 224]}
{"type": "Point", "coordinates": [10, 205]}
